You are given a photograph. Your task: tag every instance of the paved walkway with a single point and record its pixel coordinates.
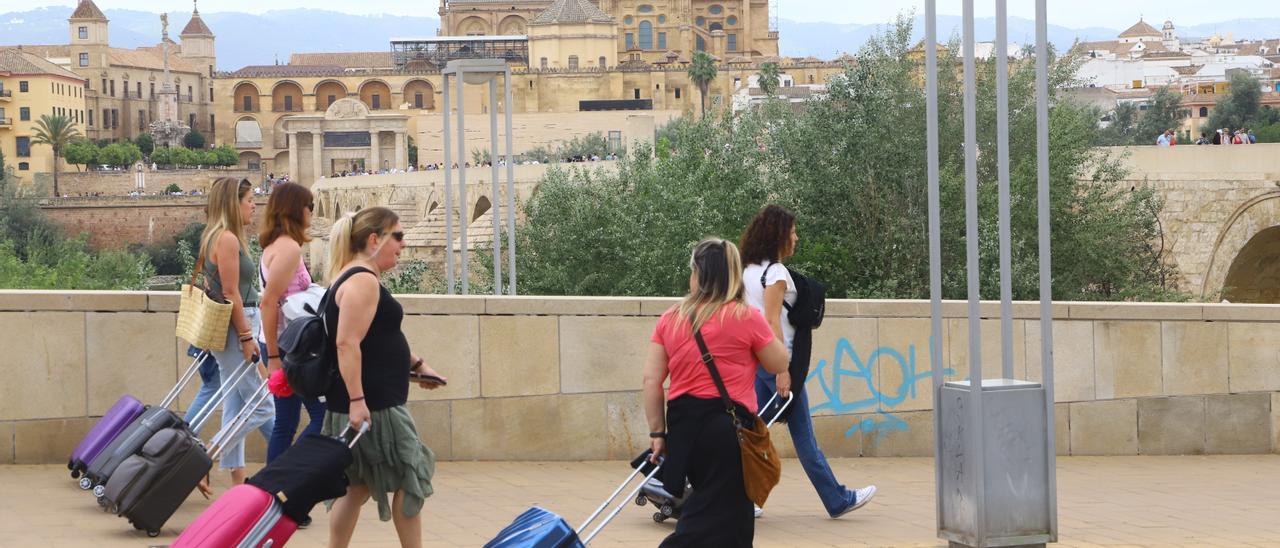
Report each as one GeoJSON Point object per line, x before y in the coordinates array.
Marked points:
{"type": "Point", "coordinates": [1107, 501]}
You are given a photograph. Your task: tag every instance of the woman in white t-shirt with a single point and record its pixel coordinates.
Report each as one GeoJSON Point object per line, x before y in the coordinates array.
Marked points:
{"type": "Point", "coordinates": [769, 240]}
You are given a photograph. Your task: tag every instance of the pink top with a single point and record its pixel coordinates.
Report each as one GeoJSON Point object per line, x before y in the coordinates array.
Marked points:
{"type": "Point", "coordinates": [301, 280]}
{"type": "Point", "coordinates": [732, 340]}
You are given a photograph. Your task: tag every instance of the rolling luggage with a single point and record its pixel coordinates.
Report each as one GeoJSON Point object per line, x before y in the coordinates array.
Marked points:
{"type": "Point", "coordinates": [247, 516]}
{"type": "Point", "coordinates": [103, 432]}
{"type": "Point", "coordinates": [147, 424]}
{"type": "Point", "coordinates": [541, 528]}
{"type": "Point", "coordinates": [147, 488]}
{"type": "Point", "coordinates": [125, 412]}
{"type": "Point", "coordinates": [669, 506]}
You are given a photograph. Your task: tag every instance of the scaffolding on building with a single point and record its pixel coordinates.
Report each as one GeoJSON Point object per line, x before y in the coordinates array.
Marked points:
{"type": "Point", "coordinates": [435, 53]}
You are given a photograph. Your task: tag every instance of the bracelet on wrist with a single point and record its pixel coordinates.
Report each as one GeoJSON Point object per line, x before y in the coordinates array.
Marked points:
{"type": "Point", "coordinates": [353, 400]}
{"type": "Point", "coordinates": [658, 435]}
{"type": "Point", "coordinates": [246, 338]}
{"type": "Point", "coordinates": [275, 357]}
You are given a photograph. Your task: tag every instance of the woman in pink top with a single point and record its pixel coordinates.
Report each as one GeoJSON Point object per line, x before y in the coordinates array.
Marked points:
{"type": "Point", "coordinates": [283, 273]}
{"type": "Point", "coordinates": [696, 435]}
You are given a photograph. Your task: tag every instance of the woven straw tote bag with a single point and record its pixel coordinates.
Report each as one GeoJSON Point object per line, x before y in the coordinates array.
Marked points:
{"type": "Point", "coordinates": [202, 318]}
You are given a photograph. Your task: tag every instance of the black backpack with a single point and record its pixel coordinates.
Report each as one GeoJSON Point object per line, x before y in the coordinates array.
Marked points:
{"type": "Point", "coordinates": [811, 300]}
{"type": "Point", "coordinates": [307, 349]}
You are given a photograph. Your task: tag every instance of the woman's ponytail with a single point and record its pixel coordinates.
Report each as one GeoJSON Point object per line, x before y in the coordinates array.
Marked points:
{"type": "Point", "coordinates": [339, 246]}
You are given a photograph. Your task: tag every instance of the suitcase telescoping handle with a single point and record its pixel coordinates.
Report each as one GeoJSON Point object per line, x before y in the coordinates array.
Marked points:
{"type": "Point", "coordinates": [629, 498]}
{"type": "Point", "coordinates": [184, 379]}
{"type": "Point", "coordinates": [203, 415]}
{"type": "Point", "coordinates": [785, 404]}
{"type": "Point", "coordinates": [219, 441]}
{"type": "Point", "coordinates": [364, 427]}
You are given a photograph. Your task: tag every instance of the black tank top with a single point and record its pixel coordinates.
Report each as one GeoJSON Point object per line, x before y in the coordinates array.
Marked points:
{"type": "Point", "coordinates": [384, 354]}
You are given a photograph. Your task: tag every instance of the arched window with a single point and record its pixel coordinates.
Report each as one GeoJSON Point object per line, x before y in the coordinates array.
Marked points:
{"type": "Point", "coordinates": [715, 9]}
{"type": "Point", "coordinates": [701, 45]}
{"type": "Point", "coordinates": [628, 20]}
{"type": "Point", "coordinates": [700, 21]}
{"type": "Point", "coordinates": [1204, 112]}
{"type": "Point", "coordinates": [662, 19]}
{"type": "Point", "coordinates": [644, 9]}
{"type": "Point", "coordinates": [732, 20]}
{"type": "Point", "coordinates": [646, 35]}
{"type": "Point", "coordinates": [716, 26]}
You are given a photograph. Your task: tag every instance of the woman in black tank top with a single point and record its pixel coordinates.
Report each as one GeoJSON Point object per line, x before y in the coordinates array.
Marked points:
{"type": "Point", "coordinates": [375, 362]}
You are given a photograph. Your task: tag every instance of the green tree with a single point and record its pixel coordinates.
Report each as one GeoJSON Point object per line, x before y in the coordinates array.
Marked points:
{"type": "Point", "coordinates": [186, 157]}
{"type": "Point", "coordinates": [1164, 111]}
{"type": "Point", "coordinates": [413, 152]}
{"type": "Point", "coordinates": [861, 205]}
{"type": "Point", "coordinates": [121, 154]}
{"type": "Point", "coordinates": [1122, 128]}
{"type": "Point", "coordinates": [162, 156]}
{"type": "Point", "coordinates": [57, 132]}
{"type": "Point", "coordinates": [702, 71]}
{"type": "Point", "coordinates": [1241, 105]}
{"type": "Point", "coordinates": [770, 78]}
{"type": "Point", "coordinates": [173, 188]}
{"type": "Point", "coordinates": [80, 152]}
{"type": "Point", "coordinates": [145, 143]}
{"type": "Point", "coordinates": [227, 156]}
{"type": "Point", "coordinates": [194, 139]}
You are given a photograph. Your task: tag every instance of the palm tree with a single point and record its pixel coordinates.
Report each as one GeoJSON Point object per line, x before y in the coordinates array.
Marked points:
{"type": "Point", "coordinates": [770, 77]}
{"type": "Point", "coordinates": [702, 71]}
{"type": "Point", "coordinates": [57, 132]}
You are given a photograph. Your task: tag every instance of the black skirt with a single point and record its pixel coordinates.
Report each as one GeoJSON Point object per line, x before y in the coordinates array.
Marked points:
{"type": "Point", "coordinates": [718, 512]}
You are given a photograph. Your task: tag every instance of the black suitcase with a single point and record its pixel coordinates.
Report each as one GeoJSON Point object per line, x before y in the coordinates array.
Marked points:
{"type": "Point", "coordinates": [148, 487]}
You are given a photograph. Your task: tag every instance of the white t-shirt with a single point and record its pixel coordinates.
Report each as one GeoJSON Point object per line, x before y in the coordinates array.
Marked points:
{"type": "Point", "coordinates": [754, 293]}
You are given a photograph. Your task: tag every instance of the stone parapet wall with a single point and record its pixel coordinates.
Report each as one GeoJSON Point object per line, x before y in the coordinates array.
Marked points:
{"type": "Point", "coordinates": [119, 183]}
{"type": "Point", "coordinates": [117, 222]}
{"type": "Point", "coordinates": [541, 378]}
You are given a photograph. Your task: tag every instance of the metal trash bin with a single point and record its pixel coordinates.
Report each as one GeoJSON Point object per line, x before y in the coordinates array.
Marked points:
{"type": "Point", "coordinates": [1014, 466]}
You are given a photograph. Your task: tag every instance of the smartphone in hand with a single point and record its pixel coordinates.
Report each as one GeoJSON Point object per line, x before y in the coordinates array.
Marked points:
{"type": "Point", "coordinates": [424, 377]}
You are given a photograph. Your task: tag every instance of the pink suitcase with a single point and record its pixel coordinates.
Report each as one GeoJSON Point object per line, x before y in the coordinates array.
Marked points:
{"type": "Point", "coordinates": [243, 517]}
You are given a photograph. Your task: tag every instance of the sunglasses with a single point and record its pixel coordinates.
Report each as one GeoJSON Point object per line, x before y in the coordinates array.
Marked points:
{"type": "Point", "coordinates": [311, 207]}
{"type": "Point", "coordinates": [398, 235]}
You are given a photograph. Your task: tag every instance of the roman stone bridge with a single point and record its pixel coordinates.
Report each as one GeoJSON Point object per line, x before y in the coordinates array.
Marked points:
{"type": "Point", "coordinates": [1221, 218]}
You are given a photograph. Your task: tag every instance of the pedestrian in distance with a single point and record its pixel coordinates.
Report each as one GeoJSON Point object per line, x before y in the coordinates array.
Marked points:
{"type": "Point", "coordinates": [768, 241]}
{"type": "Point", "coordinates": [375, 364]}
{"type": "Point", "coordinates": [696, 434]}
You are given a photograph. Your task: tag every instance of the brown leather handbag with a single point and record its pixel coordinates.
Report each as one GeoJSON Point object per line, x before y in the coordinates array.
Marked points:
{"type": "Point", "coordinates": [761, 467]}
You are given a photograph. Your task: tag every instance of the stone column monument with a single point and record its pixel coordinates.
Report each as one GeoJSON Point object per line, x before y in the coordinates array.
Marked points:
{"type": "Point", "coordinates": [168, 129]}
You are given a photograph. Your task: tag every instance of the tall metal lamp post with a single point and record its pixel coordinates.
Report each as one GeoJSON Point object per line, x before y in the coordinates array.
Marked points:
{"type": "Point", "coordinates": [478, 72]}
{"type": "Point", "coordinates": [994, 438]}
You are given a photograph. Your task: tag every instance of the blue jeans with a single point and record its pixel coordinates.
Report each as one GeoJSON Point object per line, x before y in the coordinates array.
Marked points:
{"type": "Point", "coordinates": [209, 383]}
{"type": "Point", "coordinates": [835, 497]}
{"type": "Point", "coordinates": [288, 414]}
{"type": "Point", "coordinates": [229, 360]}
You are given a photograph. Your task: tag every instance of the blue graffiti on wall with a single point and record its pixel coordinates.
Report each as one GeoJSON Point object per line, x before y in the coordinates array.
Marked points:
{"type": "Point", "coordinates": [835, 375]}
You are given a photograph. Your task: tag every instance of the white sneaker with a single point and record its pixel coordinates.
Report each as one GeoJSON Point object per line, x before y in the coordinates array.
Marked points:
{"type": "Point", "coordinates": [759, 511]}
{"type": "Point", "coordinates": [860, 498]}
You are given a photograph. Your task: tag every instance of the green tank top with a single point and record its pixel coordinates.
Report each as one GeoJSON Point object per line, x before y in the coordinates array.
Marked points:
{"type": "Point", "coordinates": [248, 289]}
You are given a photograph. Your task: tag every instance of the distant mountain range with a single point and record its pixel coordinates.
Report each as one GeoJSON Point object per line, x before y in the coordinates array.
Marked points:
{"type": "Point", "coordinates": [262, 39]}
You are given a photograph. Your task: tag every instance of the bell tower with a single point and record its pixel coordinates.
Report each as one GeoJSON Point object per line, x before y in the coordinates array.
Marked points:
{"type": "Point", "coordinates": [88, 28]}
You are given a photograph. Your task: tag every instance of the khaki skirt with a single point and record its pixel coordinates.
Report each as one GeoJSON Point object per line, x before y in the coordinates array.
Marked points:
{"type": "Point", "coordinates": [389, 457]}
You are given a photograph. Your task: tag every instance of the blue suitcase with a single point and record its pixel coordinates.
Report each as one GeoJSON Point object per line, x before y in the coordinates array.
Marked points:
{"type": "Point", "coordinates": [537, 528]}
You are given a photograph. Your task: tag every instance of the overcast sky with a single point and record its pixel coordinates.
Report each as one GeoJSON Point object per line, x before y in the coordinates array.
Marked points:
{"type": "Point", "coordinates": [1070, 13]}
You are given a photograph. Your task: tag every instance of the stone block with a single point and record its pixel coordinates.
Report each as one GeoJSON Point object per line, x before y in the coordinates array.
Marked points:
{"type": "Point", "coordinates": [44, 365]}
{"type": "Point", "coordinates": [603, 354]}
{"type": "Point", "coordinates": [910, 434]}
{"type": "Point", "coordinates": [1104, 427]}
{"type": "Point", "coordinates": [841, 373]}
{"type": "Point", "coordinates": [1127, 359]}
{"type": "Point", "coordinates": [519, 356]}
{"type": "Point", "coordinates": [840, 308]}
{"type": "Point", "coordinates": [568, 427]}
{"type": "Point", "coordinates": [656, 306]}
{"type": "Point", "coordinates": [957, 355]}
{"type": "Point", "coordinates": [48, 441]}
{"type": "Point", "coordinates": [1242, 312]}
{"type": "Point", "coordinates": [1136, 311]}
{"type": "Point", "coordinates": [1253, 358]}
{"type": "Point", "coordinates": [628, 429]}
{"type": "Point", "coordinates": [901, 364]}
{"type": "Point", "coordinates": [41, 300]}
{"type": "Point", "coordinates": [6, 442]}
{"type": "Point", "coordinates": [1171, 426]}
{"type": "Point", "coordinates": [1238, 424]}
{"type": "Point", "coordinates": [1194, 358]}
{"type": "Point", "coordinates": [892, 308]}
{"type": "Point", "coordinates": [442, 304]}
{"type": "Point", "coordinates": [1275, 422]}
{"type": "Point", "coordinates": [167, 301]}
{"type": "Point", "coordinates": [1073, 365]}
{"type": "Point", "coordinates": [451, 346]}
{"type": "Point", "coordinates": [834, 437]}
{"type": "Point", "coordinates": [433, 419]}
{"type": "Point", "coordinates": [129, 355]}
{"type": "Point", "coordinates": [563, 306]}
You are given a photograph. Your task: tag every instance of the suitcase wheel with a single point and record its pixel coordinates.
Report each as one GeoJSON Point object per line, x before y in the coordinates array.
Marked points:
{"type": "Point", "coordinates": [658, 517]}
{"type": "Point", "coordinates": [153, 533]}
{"type": "Point", "coordinates": [75, 474]}
{"type": "Point", "coordinates": [102, 503]}
{"type": "Point", "coordinates": [86, 484]}
{"type": "Point", "coordinates": [640, 500]}
{"type": "Point", "coordinates": [667, 510]}
{"type": "Point", "coordinates": [99, 490]}
{"type": "Point", "coordinates": [114, 509]}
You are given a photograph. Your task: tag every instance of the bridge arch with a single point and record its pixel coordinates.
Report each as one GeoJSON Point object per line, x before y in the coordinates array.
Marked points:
{"type": "Point", "coordinates": [1244, 240]}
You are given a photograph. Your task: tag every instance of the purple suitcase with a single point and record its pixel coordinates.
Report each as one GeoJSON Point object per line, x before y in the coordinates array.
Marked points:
{"type": "Point", "coordinates": [108, 427]}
